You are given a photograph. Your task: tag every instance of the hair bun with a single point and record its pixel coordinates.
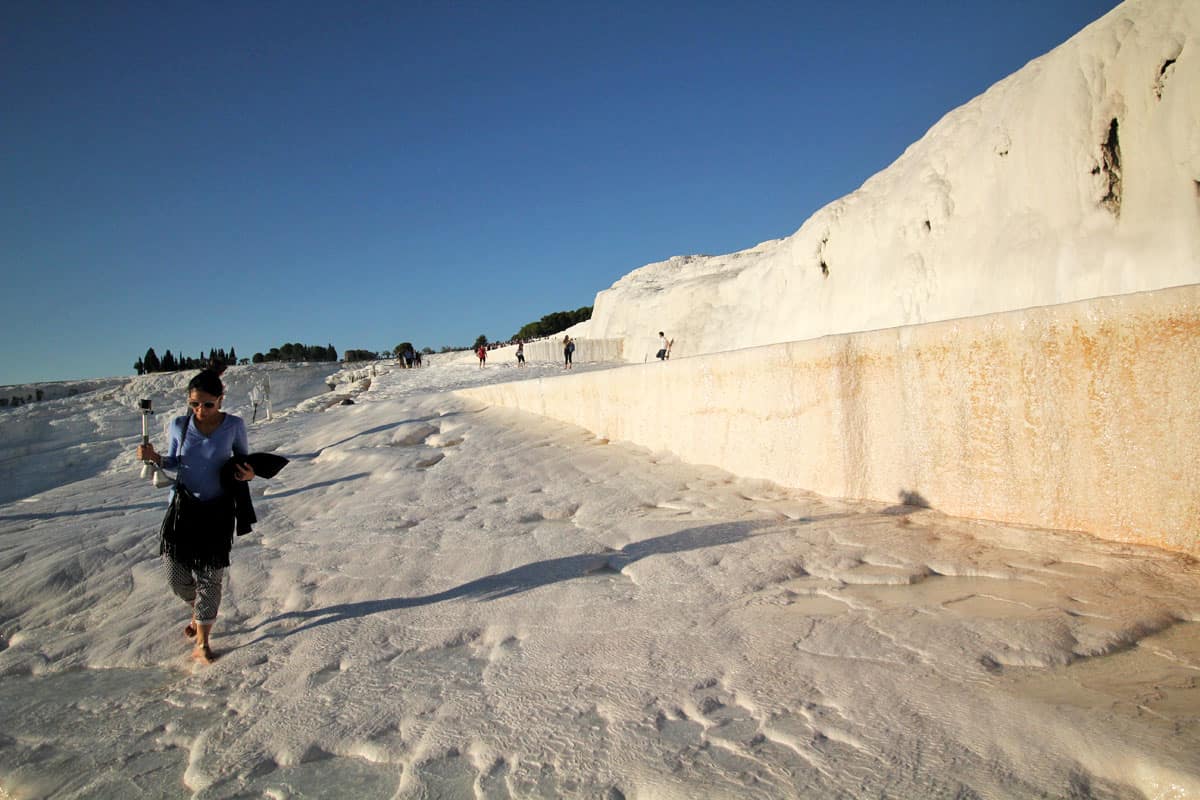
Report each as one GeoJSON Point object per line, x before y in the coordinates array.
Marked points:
{"type": "Point", "coordinates": [208, 382]}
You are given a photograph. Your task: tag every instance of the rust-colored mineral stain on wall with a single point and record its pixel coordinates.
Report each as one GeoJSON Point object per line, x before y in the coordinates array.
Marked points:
{"type": "Point", "coordinates": [1083, 416]}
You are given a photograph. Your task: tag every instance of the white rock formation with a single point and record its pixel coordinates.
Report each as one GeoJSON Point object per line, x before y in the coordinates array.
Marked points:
{"type": "Point", "coordinates": [1077, 176]}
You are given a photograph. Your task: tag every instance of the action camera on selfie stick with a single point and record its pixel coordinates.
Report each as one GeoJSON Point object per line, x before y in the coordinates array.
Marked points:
{"type": "Point", "coordinates": [149, 469]}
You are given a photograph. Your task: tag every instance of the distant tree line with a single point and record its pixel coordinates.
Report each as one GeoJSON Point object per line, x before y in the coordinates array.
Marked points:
{"type": "Point", "coordinates": [557, 322]}
{"type": "Point", "coordinates": [171, 362]}
{"type": "Point", "coordinates": [548, 325]}
{"type": "Point", "coordinates": [294, 351]}
{"type": "Point", "coordinates": [361, 355]}
{"type": "Point", "coordinates": [15, 400]}
{"type": "Point", "coordinates": [553, 323]}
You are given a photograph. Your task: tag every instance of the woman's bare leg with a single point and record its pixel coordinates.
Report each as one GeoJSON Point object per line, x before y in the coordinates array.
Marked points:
{"type": "Point", "coordinates": [202, 652]}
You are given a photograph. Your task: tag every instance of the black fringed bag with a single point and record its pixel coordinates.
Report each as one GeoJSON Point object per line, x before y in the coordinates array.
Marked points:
{"type": "Point", "coordinates": [194, 532]}
{"type": "Point", "coordinates": [181, 498]}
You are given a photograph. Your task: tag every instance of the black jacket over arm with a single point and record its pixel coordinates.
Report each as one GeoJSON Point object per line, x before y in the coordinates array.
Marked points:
{"type": "Point", "coordinates": [265, 465]}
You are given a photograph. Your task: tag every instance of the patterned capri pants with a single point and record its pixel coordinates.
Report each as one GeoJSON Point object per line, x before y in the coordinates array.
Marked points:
{"type": "Point", "coordinates": [200, 589]}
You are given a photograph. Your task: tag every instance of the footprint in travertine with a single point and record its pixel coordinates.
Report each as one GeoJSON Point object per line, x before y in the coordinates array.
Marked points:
{"type": "Point", "coordinates": [444, 439]}
{"type": "Point", "coordinates": [531, 778]}
{"type": "Point", "coordinates": [326, 673]}
{"type": "Point", "coordinates": [425, 462]}
{"type": "Point", "coordinates": [711, 732]}
{"type": "Point", "coordinates": [257, 769]}
{"type": "Point", "coordinates": [385, 747]}
{"type": "Point", "coordinates": [301, 754]}
{"type": "Point", "coordinates": [450, 774]}
{"type": "Point", "coordinates": [678, 729]}
{"type": "Point", "coordinates": [412, 433]}
{"type": "Point", "coordinates": [493, 781]}
{"type": "Point", "coordinates": [610, 565]}
{"type": "Point", "coordinates": [560, 510]}
{"type": "Point", "coordinates": [552, 511]}
{"type": "Point", "coordinates": [298, 597]}
{"type": "Point", "coordinates": [458, 639]}
{"type": "Point", "coordinates": [494, 645]}
{"type": "Point", "coordinates": [723, 718]}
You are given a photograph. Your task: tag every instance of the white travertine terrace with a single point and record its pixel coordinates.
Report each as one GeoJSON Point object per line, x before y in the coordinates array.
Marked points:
{"type": "Point", "coordinates": [1003, 323]}
{"type": "Point", "coordinates": [1077, 176]}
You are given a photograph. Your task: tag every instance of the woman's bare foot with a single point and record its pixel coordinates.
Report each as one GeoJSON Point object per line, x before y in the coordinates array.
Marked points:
{"type": "Point", "coordinates": [190, 630]}
{"type": "Point", "coordinates": [203, 653]}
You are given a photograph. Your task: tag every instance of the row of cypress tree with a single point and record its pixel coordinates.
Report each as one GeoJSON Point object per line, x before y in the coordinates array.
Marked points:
{"type": "Point", "coordinates": [292, 351]}
{"type": "Point", "coordinates": [170, 362]}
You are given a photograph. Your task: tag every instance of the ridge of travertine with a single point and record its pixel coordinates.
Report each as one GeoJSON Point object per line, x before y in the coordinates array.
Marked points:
{"type": "Point", "coordinates": [1077, 176]}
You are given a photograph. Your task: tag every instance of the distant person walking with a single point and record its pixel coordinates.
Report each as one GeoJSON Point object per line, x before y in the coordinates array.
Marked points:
{"type": "Point", "coordinates": [195, 561]}
{"type": "Point", "coordinates": [664, 347]}
{"type": "Point", "coordinates": [520, 354]}
{"type": "Point", "coordinates": [481, 351]}
{"type": "Point", "coordinates": [568, 351]}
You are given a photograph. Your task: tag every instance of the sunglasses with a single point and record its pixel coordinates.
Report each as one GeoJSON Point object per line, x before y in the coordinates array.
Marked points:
{"type": "Point", "coordinates": [206, 404]}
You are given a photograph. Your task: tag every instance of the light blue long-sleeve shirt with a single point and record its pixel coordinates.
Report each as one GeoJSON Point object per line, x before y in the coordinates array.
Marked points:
{"type": "Point", "coordinates": [199, 468]}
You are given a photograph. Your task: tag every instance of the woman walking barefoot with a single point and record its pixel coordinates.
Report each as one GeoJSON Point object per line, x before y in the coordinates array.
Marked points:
{"type": "Point", "coordinates": [195, 560]}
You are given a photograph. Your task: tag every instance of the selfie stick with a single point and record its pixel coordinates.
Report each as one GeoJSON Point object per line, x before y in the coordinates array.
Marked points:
{"type": "Point", "coordinates": [147, 466]}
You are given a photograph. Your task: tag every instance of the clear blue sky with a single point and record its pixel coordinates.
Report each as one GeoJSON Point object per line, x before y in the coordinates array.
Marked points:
{"type": "Point", "coordinates": [196, 175]}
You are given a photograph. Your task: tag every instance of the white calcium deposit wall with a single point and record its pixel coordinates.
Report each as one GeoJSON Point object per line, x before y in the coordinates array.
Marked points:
{"type": "Point", "coordinates": [1081, 416]}
{"type": "Point", "coordinates": [550, 349]}
{"type": "Point", "coordinates": [1077, 176]}
{"type": "Point", "coordinates": [586, 350]}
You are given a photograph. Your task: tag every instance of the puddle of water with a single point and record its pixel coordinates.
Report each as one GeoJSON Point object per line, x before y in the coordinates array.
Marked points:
{"type": "Point", "coordinates": [327, 777]}
{"type": "Point", "coordinates": [93, 733]}
{"type": "Point", "coordinates": [127, 733]}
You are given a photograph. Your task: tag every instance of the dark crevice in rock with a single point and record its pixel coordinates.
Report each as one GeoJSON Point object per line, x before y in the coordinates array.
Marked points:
{"type": "Point", "coordinates": [1110, 165]}
{"type": "Point", "coordinates": [1162, 77]}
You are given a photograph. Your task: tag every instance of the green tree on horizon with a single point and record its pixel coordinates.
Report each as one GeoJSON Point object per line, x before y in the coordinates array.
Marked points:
{"type": "Point", "coordinates": [294, 351]}
{"type": "Point", "coordinates": [555, 322]}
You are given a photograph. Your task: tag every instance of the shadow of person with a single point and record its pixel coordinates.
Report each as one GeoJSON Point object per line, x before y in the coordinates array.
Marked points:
{"type": "Point", "coordinates": [319, 485]}
{"type": "Point", "coordinates": [82, 512]}
{"type": "Point", "coordinates": [533, 576]}
{"type": "Point", "coordinates": [369, 432]}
